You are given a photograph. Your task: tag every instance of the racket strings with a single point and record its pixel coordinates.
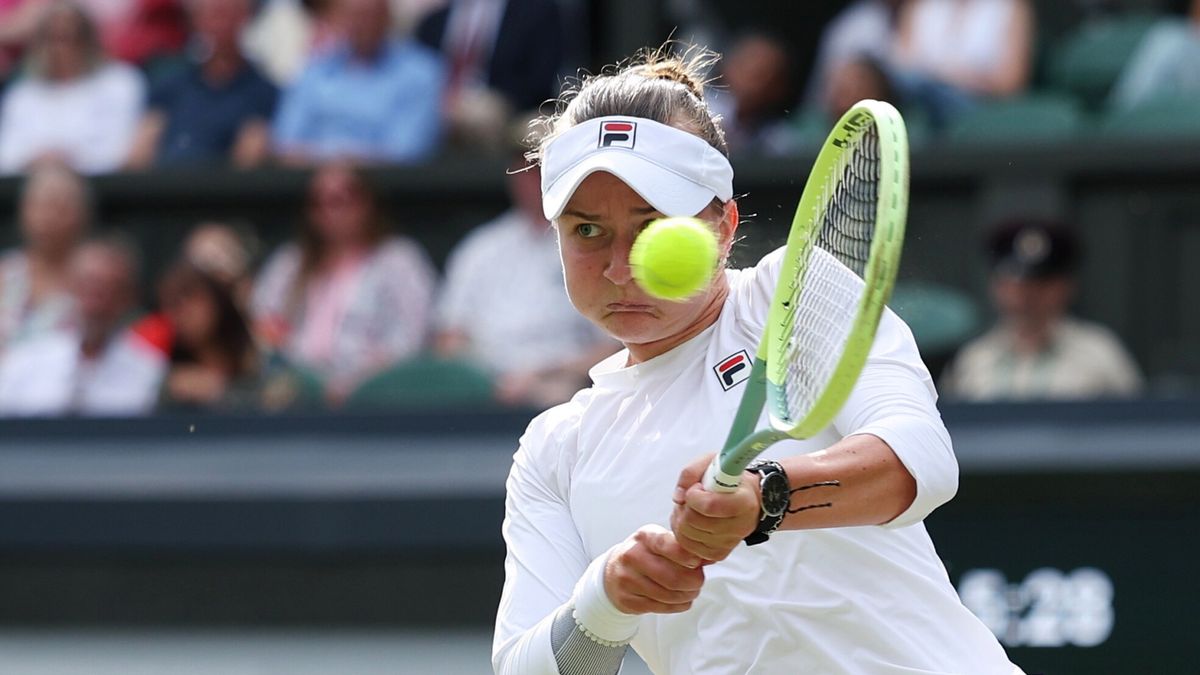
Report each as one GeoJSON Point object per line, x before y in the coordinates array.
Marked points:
{"type": "Point", "coordinates": [826, 299]}
{"type": "Point", "coordinates": [848, 225]}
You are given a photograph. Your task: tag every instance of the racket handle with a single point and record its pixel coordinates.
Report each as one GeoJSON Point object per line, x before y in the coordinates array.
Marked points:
{"type": "Point", "coordinates": [716, 480]}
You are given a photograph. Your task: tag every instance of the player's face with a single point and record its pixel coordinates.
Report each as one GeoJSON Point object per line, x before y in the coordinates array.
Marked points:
{"type": "Point", "coordinates": [595, 232]}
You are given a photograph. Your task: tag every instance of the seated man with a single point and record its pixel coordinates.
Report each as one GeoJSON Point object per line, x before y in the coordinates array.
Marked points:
{"type": "Point", "coordinates": [216, 109]}
{"type": "Point", "coordinates": [101, 366]}
{"type": "Point", "coordinates": [371, 99]}
{"type": "Point", "coordinates": [515, 320]}
{"type": "Point", "coordinates": [1037, 350]}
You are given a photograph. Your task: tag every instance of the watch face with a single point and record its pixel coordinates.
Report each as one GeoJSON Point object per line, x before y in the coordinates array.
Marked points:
{"type": "Point", "coordinates": [776, 493]}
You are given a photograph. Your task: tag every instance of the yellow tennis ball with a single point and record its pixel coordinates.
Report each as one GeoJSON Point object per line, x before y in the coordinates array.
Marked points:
{"type": "Point", "coordinates": [674, 258]}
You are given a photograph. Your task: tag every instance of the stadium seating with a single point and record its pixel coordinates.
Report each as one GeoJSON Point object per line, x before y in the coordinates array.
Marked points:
{"type": "Point", "coordinates": [1163, 116]}
{"type": "Point", "coordinates": [1087, 62]}
{"type": "Point", "coordinates": [1047, 116]}
{"type": "Point", "coordinates": [425, 382]}
{"type": "Point", "coordinates": [941, 317]}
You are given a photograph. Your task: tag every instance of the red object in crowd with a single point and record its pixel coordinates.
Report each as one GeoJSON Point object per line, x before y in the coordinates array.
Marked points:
{"type": "Point", "coordinates": [156, 331]}
{"type": "Point", "coordinates": [155, 28]}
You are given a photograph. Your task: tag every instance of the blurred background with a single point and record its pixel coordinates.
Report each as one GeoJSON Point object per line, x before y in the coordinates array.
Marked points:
{"type": "Point", "coordinates": [276, 305]}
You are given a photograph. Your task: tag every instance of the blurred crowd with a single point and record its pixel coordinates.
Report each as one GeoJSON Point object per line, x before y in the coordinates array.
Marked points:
{"type": "Point", "coordinates": [110, 85]}
{"type": "Point", "coordinates": [349, 313]}
{"type": "Point", "coordinates": [353, 312]}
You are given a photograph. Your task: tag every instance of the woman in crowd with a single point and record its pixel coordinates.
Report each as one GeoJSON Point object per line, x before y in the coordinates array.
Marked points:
{"type": "Point", "coordinates": [73, 104]}
{"type": "Point", "coordinates": [214, 362]}
{"type": "Point", "coordinates": [347, 298]}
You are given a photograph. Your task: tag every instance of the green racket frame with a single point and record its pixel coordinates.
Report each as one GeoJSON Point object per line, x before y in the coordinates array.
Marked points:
{"type": "Point", "coordinates": [766, 381]}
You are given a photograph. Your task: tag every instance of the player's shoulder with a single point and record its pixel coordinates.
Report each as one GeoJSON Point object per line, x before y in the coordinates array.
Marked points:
{"type": "Point", "coordinates": [550, 445]}
{"type": "Point", "coordinates": [750, 291]}
{"type": "Point", "coordinates": [558, 426]}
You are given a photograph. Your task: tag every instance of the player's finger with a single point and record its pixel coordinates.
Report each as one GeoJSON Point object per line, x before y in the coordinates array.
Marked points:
{"type": "Point", "coordinates": [636, 593]}
{"type": "Point", "coordinates": [686, 534]}
{"type": "Point", "coordinates": [662, 542]}
{"type": "Point", "coordinates": [669, 582]}
{"type": "Point", "coordinates": [682, 515]}
{"type": "Point", "coordinates": [640, 571]}
{"type": "Point", "coordinates": [691, 475]}
{"type": "Point", "coordinates": [722, 504]}
{"type": "Point", "coordinates": [641, 605]}
{"type": "Point", "coordinates": [709, 551]}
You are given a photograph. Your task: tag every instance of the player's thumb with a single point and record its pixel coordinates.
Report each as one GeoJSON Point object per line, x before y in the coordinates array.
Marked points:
{"type": "Point", "coordinates": [692, 474]}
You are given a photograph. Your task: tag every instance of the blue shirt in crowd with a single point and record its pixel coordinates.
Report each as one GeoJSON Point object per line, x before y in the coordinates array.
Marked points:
{"type": "Point", "coordinates": [203, 119]}
{"type": "Point", "coordinates": [387, 109]}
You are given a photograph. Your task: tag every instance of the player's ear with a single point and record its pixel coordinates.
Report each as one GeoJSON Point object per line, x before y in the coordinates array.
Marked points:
{"type": "Point", "coordinates": [729, 225]}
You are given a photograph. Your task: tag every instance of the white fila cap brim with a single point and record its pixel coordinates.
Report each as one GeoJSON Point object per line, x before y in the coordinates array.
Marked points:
{"type": "Point", "coordinates": [676, 172]}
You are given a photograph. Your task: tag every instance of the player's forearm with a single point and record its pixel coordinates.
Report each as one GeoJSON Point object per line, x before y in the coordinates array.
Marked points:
{"type": "Point", "coordinates": [587, 635]}
{"type": "Point", "coordinates": [857, 481]}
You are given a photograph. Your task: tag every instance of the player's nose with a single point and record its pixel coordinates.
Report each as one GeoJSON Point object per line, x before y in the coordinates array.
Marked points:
{"type": "Point", "coordinates": [617, 270]}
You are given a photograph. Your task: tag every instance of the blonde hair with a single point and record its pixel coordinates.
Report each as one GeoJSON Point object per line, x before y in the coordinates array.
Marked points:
{"type": "Point", "coordinates": [657, 84]}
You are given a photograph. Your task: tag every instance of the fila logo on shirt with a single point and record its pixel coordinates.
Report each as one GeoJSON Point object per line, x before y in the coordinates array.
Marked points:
{"type": "Point", "coordinates": [618, 134]}
{"type": "Point", "coordinates": [733, 369]}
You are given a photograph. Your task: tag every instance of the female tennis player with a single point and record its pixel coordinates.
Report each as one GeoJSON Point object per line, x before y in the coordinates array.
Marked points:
{"type": "Point", "coordinates": [610, 544]}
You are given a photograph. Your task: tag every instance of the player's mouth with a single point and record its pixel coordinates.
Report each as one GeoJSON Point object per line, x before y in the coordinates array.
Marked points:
{"type": "Point", "coordinates": [616, 307]}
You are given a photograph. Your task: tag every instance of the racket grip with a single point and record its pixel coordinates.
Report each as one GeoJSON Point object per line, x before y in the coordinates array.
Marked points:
{"type": "Point", "coordinates": [716, 480]}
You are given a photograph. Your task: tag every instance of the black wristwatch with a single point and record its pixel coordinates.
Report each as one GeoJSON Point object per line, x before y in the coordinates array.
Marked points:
{"type": "Point", "coordinates": [776, 497]}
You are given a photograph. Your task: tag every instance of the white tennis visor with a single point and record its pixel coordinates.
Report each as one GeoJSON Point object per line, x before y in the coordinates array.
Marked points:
{"type": "Point", "coordinates": [675, 172]}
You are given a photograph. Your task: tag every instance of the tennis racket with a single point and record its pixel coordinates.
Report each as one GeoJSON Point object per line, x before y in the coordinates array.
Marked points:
{"type": "Point", "coordinates": [836, 276]}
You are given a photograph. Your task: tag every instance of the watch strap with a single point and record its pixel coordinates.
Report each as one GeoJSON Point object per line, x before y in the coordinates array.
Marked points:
{"type": "Point", "coordinates": [767, 524]}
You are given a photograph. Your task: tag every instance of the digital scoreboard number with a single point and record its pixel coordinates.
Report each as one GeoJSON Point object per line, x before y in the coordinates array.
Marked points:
{"type": "Point", "coordinates": [1047, 608]}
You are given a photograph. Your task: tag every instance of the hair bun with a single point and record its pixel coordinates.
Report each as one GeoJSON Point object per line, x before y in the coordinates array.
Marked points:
{"type": "Point", "coordinates": [675, 70]}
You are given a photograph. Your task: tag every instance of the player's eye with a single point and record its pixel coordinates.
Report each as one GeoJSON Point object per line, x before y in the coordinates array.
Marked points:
{"type": "Point", "coordinates": [588, 230]}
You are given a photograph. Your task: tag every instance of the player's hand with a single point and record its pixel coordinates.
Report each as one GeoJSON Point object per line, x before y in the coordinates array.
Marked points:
{"type": "Point", "coordinates": [650, 573]}
{"type": "Point", "coordinates": [712, 524]}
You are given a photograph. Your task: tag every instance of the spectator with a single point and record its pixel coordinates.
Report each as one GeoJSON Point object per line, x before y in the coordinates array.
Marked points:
{"type": "Point", "coordinates": [101, 366]}
{"type": "Point", "coordinates": [373, 98]}
{"type": "Point", "coordinates": [285, 34]}
{"type": "Point", "coordinates": [227, 253]}
{"type": "Point", "coordinates": [504, 56]}
{"type": "Point", "coordinates": [214, 363]}
{"type": "Point", "coordinates": [864, 30]}
{"type": "Point", "coordinates": [759, 86]}
{"type": "Point", "coordinates": [515, 321]}
{"type": "Point", "coordinates": [347, 300]}
{"type": "Point", "coordinates": [35, 299]}
{"type": "Point", "coordinates": [75, 105]}
{"type": "Point", "coordinates": [219, 108]}
{"type": "Point", "coordinates": [854, 79]}
{"type": "Point", "coordinates": [1038, 351]}
{"type": "Point", "coordinates": [951, 55]}
{"type": "Point", "coordinates": [1166, 63]}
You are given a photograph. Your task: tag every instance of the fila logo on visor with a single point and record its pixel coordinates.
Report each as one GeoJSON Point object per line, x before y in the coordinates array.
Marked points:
{"type": "Point", "coordinates": [618, 134]}
{"type": "Point", "coordinates": [733, 369]}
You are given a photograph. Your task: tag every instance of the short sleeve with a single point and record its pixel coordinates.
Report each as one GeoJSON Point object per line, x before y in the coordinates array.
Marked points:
{"type": "Point", "coordinates": [895, 401]}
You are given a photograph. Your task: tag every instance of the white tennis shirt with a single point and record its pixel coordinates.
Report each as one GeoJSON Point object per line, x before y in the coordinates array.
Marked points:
{"type": "Point", "coordinates": [862, 600]}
